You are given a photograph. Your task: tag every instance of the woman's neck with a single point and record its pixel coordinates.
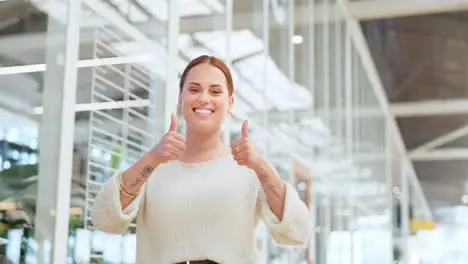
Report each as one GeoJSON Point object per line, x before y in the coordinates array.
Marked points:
{"type": "Point", "coordinates": [201, 147]}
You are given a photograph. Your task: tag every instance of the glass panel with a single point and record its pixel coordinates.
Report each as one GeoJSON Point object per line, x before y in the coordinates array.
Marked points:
{"type": "Point", "coordinates": [119, 126]}
{"type": "Point", "coordinates": [351, 185]}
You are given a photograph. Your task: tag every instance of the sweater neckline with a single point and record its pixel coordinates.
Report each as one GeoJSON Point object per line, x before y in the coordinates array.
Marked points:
{"type": "Point", "coordinates": [196, 164]}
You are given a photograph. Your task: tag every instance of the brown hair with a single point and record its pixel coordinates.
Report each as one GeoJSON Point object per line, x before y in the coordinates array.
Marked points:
{"type": "Point", "coordinates": [212, 60]}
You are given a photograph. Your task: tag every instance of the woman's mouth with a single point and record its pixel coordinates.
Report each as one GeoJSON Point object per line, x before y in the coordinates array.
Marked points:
{"type": "Point", "coordinates": [203, 111]}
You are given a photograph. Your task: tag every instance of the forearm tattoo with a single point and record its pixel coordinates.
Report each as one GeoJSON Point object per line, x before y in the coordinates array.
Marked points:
{"type": "Point", "coordinates": [145, 173]}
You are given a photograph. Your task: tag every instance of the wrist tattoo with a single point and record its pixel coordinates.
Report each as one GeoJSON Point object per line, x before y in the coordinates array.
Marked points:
{"type": "Point", "coordinates": [145, 173]}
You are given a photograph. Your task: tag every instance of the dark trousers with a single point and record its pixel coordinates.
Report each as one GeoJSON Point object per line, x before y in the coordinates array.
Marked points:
{"type": "Point", "coordinates": [199, 262]}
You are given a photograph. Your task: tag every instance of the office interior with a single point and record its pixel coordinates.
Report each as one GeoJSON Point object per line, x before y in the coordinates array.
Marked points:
{"type": "Point", "coordinates": [361, 104]}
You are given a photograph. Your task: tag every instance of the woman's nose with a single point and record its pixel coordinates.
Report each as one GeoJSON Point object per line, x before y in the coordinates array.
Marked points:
{"type": "Point", "coordinates": [202, 97]}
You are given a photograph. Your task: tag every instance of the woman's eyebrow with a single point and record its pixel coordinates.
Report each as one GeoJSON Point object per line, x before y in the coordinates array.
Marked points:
{"type": "Point", "coordinates": [212, 85]}
{"type": "Point", "coordinates": [195, 83]}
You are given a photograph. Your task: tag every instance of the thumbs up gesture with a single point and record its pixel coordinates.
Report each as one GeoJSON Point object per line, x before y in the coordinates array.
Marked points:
{"type": "Point", "coordinates": [172, 144]}
{"type": "Point", "coordinates": [244, 151]}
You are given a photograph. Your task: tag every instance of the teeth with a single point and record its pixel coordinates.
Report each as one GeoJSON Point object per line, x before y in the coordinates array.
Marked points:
{"type": "Point", "coordinates": [203, 111]}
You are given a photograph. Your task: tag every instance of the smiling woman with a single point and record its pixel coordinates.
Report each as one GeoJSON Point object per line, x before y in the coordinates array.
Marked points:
{"type": "Point", "coordinates": [197, 200]}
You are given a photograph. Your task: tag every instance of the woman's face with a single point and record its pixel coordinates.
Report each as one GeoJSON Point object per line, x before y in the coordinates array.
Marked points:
{"type": "Point", "coordinates": [205, 99]}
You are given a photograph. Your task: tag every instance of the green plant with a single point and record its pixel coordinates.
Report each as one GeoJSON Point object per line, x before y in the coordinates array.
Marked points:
{"type": "Point", "coordinates": [74, 223]}
{"type": "Point", "coordinates": [96, 260]}
{"type": "Point", "coordinates": [16, 223]}
{"type": "Point", "coordinates": [14, 181]}
{"type": "Point", "coordinates": [116, 157]}
{"type": "Point", "coordinates": [396, 253]}
{"type": "Point", "coordinates": [132, 230]}
{"type": "Point", "coordinates": [20, 183]}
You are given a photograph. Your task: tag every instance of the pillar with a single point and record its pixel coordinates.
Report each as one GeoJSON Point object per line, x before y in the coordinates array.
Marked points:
{"type": "Point", "coordinates": [56, 136]}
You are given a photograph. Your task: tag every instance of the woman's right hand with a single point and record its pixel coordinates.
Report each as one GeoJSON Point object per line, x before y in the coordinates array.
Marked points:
{"type": "Point", "coordinates": [172, 144]}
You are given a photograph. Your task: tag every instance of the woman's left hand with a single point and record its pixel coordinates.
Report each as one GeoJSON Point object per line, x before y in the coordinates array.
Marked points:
{"type": "Point", "coordinates": [244, 150]}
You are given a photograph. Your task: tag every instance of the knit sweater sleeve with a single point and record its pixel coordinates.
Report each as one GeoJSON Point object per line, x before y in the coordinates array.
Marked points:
{"type": "Point", "coordinates": [294, 227]}
{"type": "Point", "coordinates": [107, 214]}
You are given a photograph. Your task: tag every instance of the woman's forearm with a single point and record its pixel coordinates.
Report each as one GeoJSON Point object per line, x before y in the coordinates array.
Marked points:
{"type": "Point", "coordinates": [135, 176]}
{"type": "Point", "coordinates": [273, 186]}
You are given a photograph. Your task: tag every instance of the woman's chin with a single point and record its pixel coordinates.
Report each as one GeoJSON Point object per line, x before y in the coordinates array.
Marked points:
{"type": "Point", "coordinates": [202, 126]}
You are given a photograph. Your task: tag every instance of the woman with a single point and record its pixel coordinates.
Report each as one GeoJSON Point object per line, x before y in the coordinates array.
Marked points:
{"type": "Point", "coordinates": [198, 200]}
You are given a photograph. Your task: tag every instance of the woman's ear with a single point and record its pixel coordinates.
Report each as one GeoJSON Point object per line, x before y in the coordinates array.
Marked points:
{"type": "Point", "coordinates": [231, 103]}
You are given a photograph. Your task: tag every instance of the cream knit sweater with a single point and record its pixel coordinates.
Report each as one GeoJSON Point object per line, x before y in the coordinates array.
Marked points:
{"type": "Point", "coordinates": [200, 211]}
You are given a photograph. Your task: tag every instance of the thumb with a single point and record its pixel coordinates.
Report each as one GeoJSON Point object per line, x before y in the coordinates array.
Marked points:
{"type": "Point", "coordinates": [173, 126]}
{"type": "Point", "coordinates": [245, 129]}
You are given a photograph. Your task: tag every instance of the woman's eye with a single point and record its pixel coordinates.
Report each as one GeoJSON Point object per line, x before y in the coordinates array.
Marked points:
{"type": "Point", "coordinates": [216, 92]}
{"type": "Point", "coordinates": [193, 89]}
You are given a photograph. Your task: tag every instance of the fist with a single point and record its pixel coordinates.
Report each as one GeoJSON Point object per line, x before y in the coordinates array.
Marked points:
{"type": "Point", "coordinates": [244, 151]}
{"type": "Point", "coordinates": [172, 144]}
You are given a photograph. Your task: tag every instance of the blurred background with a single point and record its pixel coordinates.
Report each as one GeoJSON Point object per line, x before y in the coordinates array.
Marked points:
{"type": "Point", "coordinates": [361, 104]}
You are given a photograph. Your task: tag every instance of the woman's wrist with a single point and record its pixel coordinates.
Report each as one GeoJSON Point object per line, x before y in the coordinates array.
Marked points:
{"type": "Point", "coordinates": [131, 182]}
{"type": "Point", "coordinates": [261, 167]}
{"type": "Point", "coordinates": [153, 158]}
{"type": "Point", "coordinates": [125, 190]}
{"type": "Point", "coordinates": [135, 176]}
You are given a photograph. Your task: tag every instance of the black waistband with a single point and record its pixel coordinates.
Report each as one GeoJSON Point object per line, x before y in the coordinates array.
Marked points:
{"type": "Point", "coordinates": [198, 262]}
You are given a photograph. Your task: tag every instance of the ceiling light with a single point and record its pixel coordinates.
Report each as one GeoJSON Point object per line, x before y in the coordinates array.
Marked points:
{"type": "Point", "coordinates": [297, 39]}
